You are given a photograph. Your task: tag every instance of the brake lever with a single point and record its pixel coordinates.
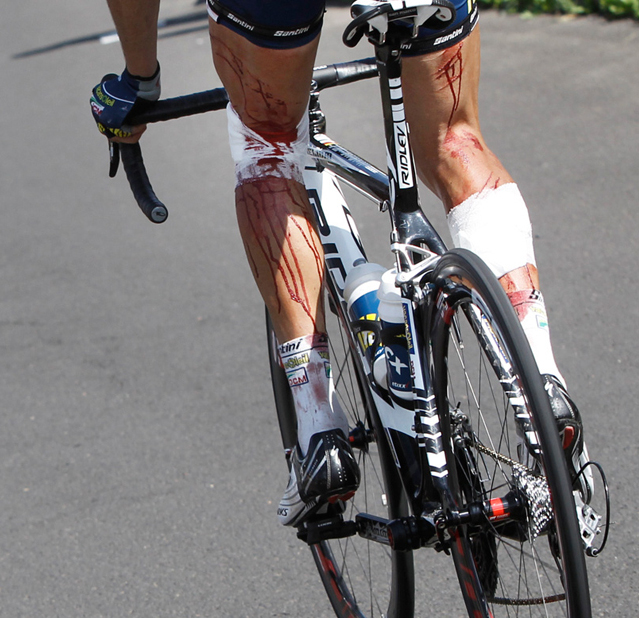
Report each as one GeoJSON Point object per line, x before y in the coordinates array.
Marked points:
{"type": "Point", "coordinates": [114, 158]}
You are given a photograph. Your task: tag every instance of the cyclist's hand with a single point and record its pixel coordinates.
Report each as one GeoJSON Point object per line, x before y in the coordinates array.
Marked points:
{"type": "Point", "coordinates": [115, 97]}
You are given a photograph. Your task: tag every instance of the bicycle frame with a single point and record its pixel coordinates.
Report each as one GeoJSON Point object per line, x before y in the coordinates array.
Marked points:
{"type": "Point", "coordinates": [412, 428]}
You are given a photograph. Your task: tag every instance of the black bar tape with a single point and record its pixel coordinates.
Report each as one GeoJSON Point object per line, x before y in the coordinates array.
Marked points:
{"type": "Point", "coordinates": [344, 73]}
{"type": "Point", "coordinates": [148, 202]}
{"type": "Point", "coordinates": [179, 107]}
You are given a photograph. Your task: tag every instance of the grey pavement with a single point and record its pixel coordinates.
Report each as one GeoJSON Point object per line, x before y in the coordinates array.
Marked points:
{"type": "Point", "coordinates": [140, 462]}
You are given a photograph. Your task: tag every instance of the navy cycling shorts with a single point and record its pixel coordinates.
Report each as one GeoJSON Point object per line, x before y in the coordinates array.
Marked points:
{"type": "Point", "coordinates": [286, 24]}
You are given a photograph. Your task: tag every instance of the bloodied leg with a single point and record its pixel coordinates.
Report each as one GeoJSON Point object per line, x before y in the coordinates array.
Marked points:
{"type": "Point", "coordinates": [268, 131]}
{"type": "Point", "coordinates": [269, 135]}
{"type": "Point", "coordinates": [440, 94]}
{"type": "Point", "coordinates": [486, 211]}
{"type": "Point", "coordinates": [272, 208]}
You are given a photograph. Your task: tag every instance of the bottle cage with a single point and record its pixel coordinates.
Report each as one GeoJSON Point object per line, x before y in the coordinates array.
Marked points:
{"type": "Point", "coordinates": [373, 18]}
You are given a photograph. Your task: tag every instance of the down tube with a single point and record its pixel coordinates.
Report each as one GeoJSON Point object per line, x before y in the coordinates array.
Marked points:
{"type": "Point", "coordinates": [343, 249]}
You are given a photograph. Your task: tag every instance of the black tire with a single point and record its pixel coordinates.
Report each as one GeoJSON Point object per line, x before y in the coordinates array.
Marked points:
{"type": "Point", "coordinates": [509, 568]}
{"type": "Point", "coordinates": [362, 579]}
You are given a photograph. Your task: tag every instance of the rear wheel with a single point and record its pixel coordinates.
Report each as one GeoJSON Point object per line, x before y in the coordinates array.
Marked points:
{"type": "Point", "coordinates": [522, 554]}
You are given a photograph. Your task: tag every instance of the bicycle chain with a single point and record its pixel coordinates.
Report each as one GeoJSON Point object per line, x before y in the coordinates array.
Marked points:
{"type": "Point", "coordinates": [505, 460]}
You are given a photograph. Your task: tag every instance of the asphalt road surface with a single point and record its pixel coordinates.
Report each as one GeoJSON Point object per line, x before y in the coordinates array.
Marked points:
{"type": "Point", "coordinates": [140, 462]}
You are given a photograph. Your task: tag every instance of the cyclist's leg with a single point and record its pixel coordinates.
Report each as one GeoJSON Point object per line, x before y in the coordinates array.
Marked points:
{"type": "Point", "coordinates": [486, 211]}
{"type": "Point", "coordinates": [441, 94]}
{"type": "Point", "coordinates": [273, 210]}
{"type": "Point", "coordinates": [269, 90]}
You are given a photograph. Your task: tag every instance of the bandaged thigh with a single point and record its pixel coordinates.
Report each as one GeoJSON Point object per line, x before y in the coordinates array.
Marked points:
{"type": "Point", "coordinates": [495, 225]}
{"type": "Point", "coordinates": [280, 155]}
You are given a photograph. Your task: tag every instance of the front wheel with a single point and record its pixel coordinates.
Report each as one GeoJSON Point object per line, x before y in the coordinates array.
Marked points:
{"type": "Point", "coordinates": [522, 555]}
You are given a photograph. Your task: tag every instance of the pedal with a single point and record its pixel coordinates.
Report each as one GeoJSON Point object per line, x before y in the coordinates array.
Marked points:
{"type": "Point", "coordinates": [591, 523]}
{"type": "Point", "coordinates": [313, 532]}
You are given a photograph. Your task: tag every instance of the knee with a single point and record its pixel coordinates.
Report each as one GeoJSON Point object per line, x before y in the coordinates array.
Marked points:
{"type": "Point", "coordinates": [446, 155]}
{"type": "Point", "coordinates": [458, 163]}
{"type": "Point", "coordinates": [460, 142]}
{"type": "Point", "coordinates": [276, 150]}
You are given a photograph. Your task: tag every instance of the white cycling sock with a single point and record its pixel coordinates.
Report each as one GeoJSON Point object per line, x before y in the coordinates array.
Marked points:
{"type": "Point", "coordinates": [531, 311]}
{"type": "Point", "coordinates": [308, 369]}
{"type": "Point", "coordinates": [495, 225]}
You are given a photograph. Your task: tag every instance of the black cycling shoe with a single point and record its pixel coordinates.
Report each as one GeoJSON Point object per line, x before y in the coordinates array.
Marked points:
{"type": "Point", "coordinates": [571, 435]}
{"type": "Point", "coordinates": [328, 472]}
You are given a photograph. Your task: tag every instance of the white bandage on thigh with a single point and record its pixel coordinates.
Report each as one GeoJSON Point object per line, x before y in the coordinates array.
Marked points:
{"type": "Point", "coordinates": [495, 225]}
{"type": "Point", "coordinates": [256, 157]}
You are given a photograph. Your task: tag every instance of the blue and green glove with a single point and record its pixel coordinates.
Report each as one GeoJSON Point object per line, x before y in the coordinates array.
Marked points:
{"type": "Point", "coordinates": [115, 97]}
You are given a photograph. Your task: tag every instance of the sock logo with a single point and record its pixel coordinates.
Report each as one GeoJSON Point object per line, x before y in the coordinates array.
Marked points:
{"type": "Point", "coordinates": [328, 370]}
{"type": "Point", "coordinates": [296, 361]}
{"type": "Point", "coordinates": [297, 377]}
{"type": "Point", "coordinates": [290, 347]}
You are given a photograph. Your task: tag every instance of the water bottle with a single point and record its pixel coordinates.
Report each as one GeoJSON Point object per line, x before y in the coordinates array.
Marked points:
{"type": "Point", "coordinates": [360, 293]}
{"type": "Point", "coordinates": [391, 315]}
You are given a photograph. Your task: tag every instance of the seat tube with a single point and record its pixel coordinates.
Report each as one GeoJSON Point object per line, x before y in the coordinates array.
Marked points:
{"type": "Point", "coordinates": [402, 175]}
{"type": "Point", "coordinates": [408, 221]}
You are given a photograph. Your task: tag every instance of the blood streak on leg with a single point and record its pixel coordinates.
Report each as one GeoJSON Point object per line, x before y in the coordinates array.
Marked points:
{"type": "Point", "coordinates": [521, 286]}
{"type": "Point", "coordinates": [253, 101]}
{"type": "Point", "coordinates": [271, 211]}
{"type": "Point", "coordinates": [451, 72]}
{"type": "Point", "coordinates": [491, 183]}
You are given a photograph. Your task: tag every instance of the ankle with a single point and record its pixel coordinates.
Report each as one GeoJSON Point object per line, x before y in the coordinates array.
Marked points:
{"type": "Point", "coordinates": [531, 311]}
{"type": "Point", "coordinates": [307, 364]}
